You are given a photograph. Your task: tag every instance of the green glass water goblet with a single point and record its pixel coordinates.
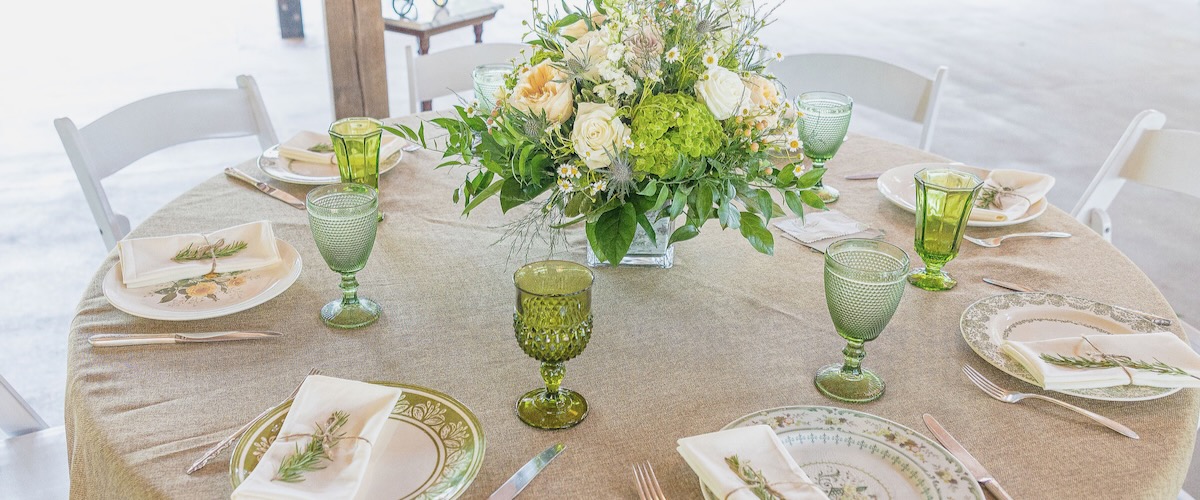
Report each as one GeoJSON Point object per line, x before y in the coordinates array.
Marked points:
{"type": "Point", "coordinates": [553, 323]}
{"type": "Point", "coordinates": [822, 124]}
{"type": "Point", "coordinates": [343, 219]}
{"type": "Point", "coordinates": [864, 281]}
{"type": "Point", "coordinates": [945, 198]}
{"type": "Point", "coordinates": [488, 79]}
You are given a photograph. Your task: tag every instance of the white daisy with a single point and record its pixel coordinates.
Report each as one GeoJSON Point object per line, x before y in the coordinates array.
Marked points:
{"type": "Point", "coordinates": [673, 54]}
{"type": "Point", "coordinates": [799, 170]}
{"type": "Point", "coordinates": [711, 59]}
{"type": "Point", "coordinates": [565, 186]}
{"type": "Point", "coordinates": [793, 143]}
{"type": "Point", "coordinates": [568, 171]}
{"type": "Point", "coordinates": [778, 56]}
{"type": "Point", "coordinates": [597, 187]}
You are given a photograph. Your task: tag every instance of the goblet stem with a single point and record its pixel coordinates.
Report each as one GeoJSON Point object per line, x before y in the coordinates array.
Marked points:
{"type": "Point", "coordinates": [552, 375]}
{"type": "Point", "coordinates": [349, 289]}
{"type": "Point", "coordinates": [854, 354]}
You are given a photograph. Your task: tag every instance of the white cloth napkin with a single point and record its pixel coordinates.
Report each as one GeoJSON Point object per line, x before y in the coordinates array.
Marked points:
{"type": "Point", "coordinates": [821, 229]}
{"type": "Point", "coordinates": [1150, 347]}
{"type": "Point", "coordinates": [147, 261]}
{"type": "Point", "coordinates": [296, 148]}
{"type": "Point", "coordinates": [368, 406]}
{"type": "Point", "coordinates": [760, 447]}
{"type": "Point", "coordinates": [1020, 190]}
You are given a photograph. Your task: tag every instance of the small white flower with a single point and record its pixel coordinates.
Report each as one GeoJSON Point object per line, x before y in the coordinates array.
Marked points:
{"type": "Point", "coordinates": [565, 186]}
{"type": "Point", "coordinates": [568, 171]}
{"type": "Point", "coordinates": [778, 56]}
{"type": "Point", "coordinates": [799, 170]}
{"type": "Point", "coordinates": [597, 187]}
{"type": "Point", "coordinates": [628, 143]}
{"type": "Point", "coordinates": [711, 59]}
{"type": "Point", "coordinates": [673, 54]}
{"type": "Point", "coordinates": [794, 144]}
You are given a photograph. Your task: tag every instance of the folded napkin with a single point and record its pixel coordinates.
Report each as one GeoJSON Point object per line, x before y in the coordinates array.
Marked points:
{"type": "Point", "coordinates": [297, 148]}
{"type": "Point", "coordinates": [1016, 191]}
{"type": "Point", "coordinates": [760, 448]}
{"type": "Point", "coordinates": [821, 229]}
{"type": "Point", "coordinates": [1149, 347]}
{"type": "Point", "coordinates": [368, 406]}
{"type": "Point", "coordinates": [147, 261]}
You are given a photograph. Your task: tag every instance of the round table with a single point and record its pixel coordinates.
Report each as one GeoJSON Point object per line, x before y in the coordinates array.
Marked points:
{"type": "Point", "coordinates": [675, 352]}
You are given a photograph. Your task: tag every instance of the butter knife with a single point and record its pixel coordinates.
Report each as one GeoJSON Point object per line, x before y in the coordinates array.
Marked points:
{"type": "Point", "coordinates": [526, 473]}
{"type": "Point", "coordinates": [864, 177]}
{"type": "Point", "coordinates": [1158, 320]}
{"type": "Point", "coordinates": [271, 191]}
{"type": "Point", "coordinates": [124, 339]}
{"type": "Point", "coordinates": [973, 466]}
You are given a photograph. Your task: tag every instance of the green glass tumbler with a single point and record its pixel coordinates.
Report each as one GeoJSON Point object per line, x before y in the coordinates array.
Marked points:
{"type": "Point", "coordinates": [343, 219]}
{"type": "Point", "coordinates": [356, 146]}
{"type": "Point", "coordinates": [553, 323]}
{"type": "Point", "coordinates": [944, 200]}
{"type": "Point", "coordinates": [864, 281]}
{"type": "Point", "coordinates": [822, 125]}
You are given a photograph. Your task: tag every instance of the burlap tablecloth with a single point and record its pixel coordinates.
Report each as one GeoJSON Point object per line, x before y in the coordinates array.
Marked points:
{"type": "Point", "coordinates": [675, 352]}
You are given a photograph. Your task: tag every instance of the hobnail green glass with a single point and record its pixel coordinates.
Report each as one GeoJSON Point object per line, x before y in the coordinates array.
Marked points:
{"type": "Point", "coordinates": [553, 323]}
{"type": "Point", "coordinates": [488, 79]}
{"type": "Point", "coordinates": [864, 281]}
{"type": "Point", "coordinates": [944, 201]}
{"type": "Point", "coordinates": [343, 219]}
{"type": "Point", "coordinates": [822, 124]}
{"type": "Point", "coordinates": [356, 146]}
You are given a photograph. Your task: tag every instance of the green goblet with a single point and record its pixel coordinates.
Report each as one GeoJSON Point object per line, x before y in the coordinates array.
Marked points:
{"type": "Point", "coordinates": [356, 146]}
{"type": "Point", "coordinates": [553, 323]}
{"type": "Point", "coordinates": [343, 219]}
{"type": "Point", "coordinates": [824, 119]}
{"type": "Point", "coordinates": [864, 280]}
{"type": "Point", "coordinates": [944, 201]}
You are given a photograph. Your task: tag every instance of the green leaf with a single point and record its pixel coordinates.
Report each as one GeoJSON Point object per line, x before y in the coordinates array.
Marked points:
{"type": "Point", "coordinates": [612, 233]}
{"type": "Point", "coordinates": [650, 189]}
{"type": "Point", "coordinates": [455, 197]}
{"type": "Point", "coordinates": [728, 215]}
{"type": "Point", "coordinates": [811, 199]}
{"type": "Point", "coordinates": [663, 194]}
{"type": "Point", "coordinates": [678, 201]}
{"type": "Point", "coordinates": [704, 201]}
{"type": "Point", "coordinates": [684, 233]}
{"type": "Point", "coordinates": [810, 178]}
{"type": "Point", "coordinates": [514, 194]}
{"type": "Point", "coordinates": [793, 202]}
{"type": "Point", "coordinates": [487, 192]}
{"type": "Point", "coordinates": [765, 204]}
{"type": "Point", "coordinates": [757, 233]}
{"type": "Point", "coordinates": [644, 221]}
{"type": "Point", "coordinates": [786, 175]}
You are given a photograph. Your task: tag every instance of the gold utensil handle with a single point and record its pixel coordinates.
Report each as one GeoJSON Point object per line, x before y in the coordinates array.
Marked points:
{"type": "Point", "coordinates": [1100, 419]}
{"type": "Point", "coordinates": [127, 339]}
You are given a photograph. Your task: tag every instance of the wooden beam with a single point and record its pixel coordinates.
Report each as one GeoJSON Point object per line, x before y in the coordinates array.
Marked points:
{"type": "Point", "coordinates": [357, 67]}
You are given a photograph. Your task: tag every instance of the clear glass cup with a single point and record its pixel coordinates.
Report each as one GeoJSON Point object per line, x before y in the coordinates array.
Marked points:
{"type": "Point", "coordinates": [864, 281]}
{"type": "Point", "coordinates": [343, 219]}
{"type": "Point", "coordinates": [822, 125]}
{"type": "Point", "coordinates": [945, 198]}
{"type": "Point", "coordinates": [488, 79]}
{"type": "Point", "coordinates": [356, 146]}
{"type": "Point", "coordinates": [553, 323]}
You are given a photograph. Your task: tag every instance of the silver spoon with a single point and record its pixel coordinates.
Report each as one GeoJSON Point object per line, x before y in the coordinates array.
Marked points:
{"type": "Point", "coordinates": [995, 242]}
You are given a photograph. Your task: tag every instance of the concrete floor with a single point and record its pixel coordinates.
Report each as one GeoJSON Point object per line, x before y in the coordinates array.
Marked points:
{"type": "Point", "coordinates": [1045, 86]}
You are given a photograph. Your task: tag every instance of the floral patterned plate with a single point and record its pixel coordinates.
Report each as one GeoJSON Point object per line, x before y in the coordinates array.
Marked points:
{"type": "Point", "coordinates": [1039, 316]}
{"type": "Point", "coordinates": [899, 187]}
{"type": "Point", "coordinates": [851, 455]}
{"type": "Point", "coordinates": [311, 174]}
{"type": "Point", "coordinates": [430, 448]}
{"type": "Point", "coordinates": [206, 296]}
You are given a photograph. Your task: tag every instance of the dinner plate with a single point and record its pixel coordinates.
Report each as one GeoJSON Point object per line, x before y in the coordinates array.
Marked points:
{"type": "Point", "coordinates": [204, 297]}
{"type": "Point", "coordinates": [431, 447]}
{"type": "Point", "coordinates": [899, 187]}
{"type": "Point", "coordinates": [312, 174]}
{"type": "Point", "coordinates": [851, 454]}
{"type": "Point", "coordinates": [1041, 316]}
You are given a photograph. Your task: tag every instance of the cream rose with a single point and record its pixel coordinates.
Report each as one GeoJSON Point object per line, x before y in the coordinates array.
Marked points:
{"type": "Point", "coordinates": [597, 132]}
{"type": "Point", "coordinates": [578, 28]}
{"type": "Point", "coordinates": [764, 96]}
{"type": "Point", "coordinates": [646, 47]}
{"type": "Point", "coordinates": [590, 50]}
{"type": "Point", "coordinates": [723, 92]}
{"type": "Point", "coordinates": [544, 89]}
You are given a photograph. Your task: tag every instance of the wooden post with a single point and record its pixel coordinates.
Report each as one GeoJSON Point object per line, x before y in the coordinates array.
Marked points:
{"type": "Point", "coordinates": [357, 68]}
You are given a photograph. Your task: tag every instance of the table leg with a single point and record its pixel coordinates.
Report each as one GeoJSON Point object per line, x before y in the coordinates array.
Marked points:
{"type": "Point", "coordinates": [423, 47]}
{"type": "Point", "coordinates": [479, 33]}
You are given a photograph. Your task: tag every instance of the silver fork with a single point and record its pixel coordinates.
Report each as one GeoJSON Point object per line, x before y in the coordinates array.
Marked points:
{"type": "Point", "coordinates": [995, 242]}
{"type": "Point", "coordinates": [1007, 396]}
{"type": "Point", "coordinates": [647, 482]}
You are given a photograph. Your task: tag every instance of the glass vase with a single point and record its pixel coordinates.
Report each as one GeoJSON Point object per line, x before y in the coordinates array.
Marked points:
{"type": "Point", "coordinates": [644, 252]}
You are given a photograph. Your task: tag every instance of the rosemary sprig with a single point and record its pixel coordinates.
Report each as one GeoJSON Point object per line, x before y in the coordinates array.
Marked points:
{"type": "Point", "coordinates": [311, 457]}
{"type": "Point", "coordinates": [206, 251]}
{"type": "Point", "coordinates": [321, 147]}
{"type": "Point", "coordinates": [1115, 362]}
{"type": "Point", "coordinates": [753, 478]}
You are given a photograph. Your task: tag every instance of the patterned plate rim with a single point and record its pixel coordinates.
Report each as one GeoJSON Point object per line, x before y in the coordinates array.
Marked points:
{"type": "Point", "coordinates": [975, 334]}
{"type": "Point", "coordinates": [972, 484]}
{"type": "Point", "coordinates": [1036, 210]}
{"type": "Point", "coordinates": [284, 175]}
{"type": "Point", "coordinates": [243, 444]}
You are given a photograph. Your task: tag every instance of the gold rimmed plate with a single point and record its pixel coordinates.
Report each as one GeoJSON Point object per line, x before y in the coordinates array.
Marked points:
{"type": "Point", "coordinates": [311, 174]}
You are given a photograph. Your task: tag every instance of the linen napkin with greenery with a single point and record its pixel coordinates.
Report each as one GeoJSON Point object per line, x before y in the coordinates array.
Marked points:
{"type": "Point", "coordinates": [1007, 194]}
{"type": "Point", "coordinates": [747, 463]}
{"type": "Point", "coordinates": [1149, 359]}
{"type": "Point", "coordinates": [161, 259]}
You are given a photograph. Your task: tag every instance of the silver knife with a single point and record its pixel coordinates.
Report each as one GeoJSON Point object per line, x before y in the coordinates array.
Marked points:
{"type": "Point", "coordinates": [863, 177]}
{"type": "Point", "coordinates": [271, 191]}
{"type": "Point", "coordinates": [527, 472]}
{"type": "Point", "coordinates": [123, 339]}
{"type": "Point", "coordinates": [1158, 320]}
{"type": "Point", "coordinates": [955, 448]}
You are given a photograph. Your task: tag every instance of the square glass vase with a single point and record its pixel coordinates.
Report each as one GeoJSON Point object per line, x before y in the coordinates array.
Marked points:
{"type": "Point", "coordinates": [643, 252]}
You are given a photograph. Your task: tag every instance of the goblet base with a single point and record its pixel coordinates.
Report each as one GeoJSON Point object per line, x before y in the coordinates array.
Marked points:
{"type": "Point", "coordinates": [827, 194]}
{"type": "Point", "coordinates": [339, 315]}
{"type": "Point", "coordinates": [539, 410]}
{"type": "Point", "coordinates": [832, 382]}
{"type": "Point", "coordinates": [934, 281]}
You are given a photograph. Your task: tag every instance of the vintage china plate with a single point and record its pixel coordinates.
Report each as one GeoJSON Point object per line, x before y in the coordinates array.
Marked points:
{"type": "Point", "coordinates": [203, 298]}
{"type": "Point", "coordinates": [432, 447]}
{"type": "Point", "coordinates": [899, 187]}
{"type": "Point", "coordinates": [297, 172]}
{"type": "Point", "coordinates": [851, 454]}
{"type": "Point", "coordinates": [1039, 316]}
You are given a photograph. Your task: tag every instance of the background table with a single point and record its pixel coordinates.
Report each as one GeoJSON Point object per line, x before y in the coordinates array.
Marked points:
{"type": "Point", "coordinates": [675, 352]}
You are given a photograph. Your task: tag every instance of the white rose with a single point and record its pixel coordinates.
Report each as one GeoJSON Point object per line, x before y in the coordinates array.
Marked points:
{"type": "Point", "coordinates": [580, 27]}
{"type": "Point", "coordinates": [544, 89]}
{"type": "Point", "coordinates": [590, 50]}
{"type": "Point", "coordinates": [597, 132]}
{"type": "Point", "coordinates": [722, 91]}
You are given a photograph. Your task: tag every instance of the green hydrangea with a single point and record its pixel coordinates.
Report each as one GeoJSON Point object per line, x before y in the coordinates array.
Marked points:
{"type": "Point", "coordinates": [666, 126]}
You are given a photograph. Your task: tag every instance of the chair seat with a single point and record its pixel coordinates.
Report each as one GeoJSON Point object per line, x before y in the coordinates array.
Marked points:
{"type": "Point", "coordinates": [34, 465]}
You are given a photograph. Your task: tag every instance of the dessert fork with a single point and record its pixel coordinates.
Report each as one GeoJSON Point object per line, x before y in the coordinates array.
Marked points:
{"type": "Point", "coordinates": [996, 392]}
{"type": "Point", "coordinates": [995, 241]}
{"type": "Point", "coordinates": [647, 482]}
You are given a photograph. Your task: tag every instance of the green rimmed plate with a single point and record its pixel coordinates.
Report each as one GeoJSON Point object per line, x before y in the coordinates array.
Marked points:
{"type": "Point", "coordinates": [1041, 316]}
{"type": "Point", "coordinates": [851, 454]}
{"type": "Point", "coordinates": [430, 448]}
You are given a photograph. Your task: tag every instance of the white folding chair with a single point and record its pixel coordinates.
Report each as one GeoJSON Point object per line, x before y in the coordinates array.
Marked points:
{"type": "Point", "coordinates": [886, 87]}
{"type": "Point", "coordinates": [121, 137]}
{"type": "Point", "coordinates": [449, 71]}
{"type": "Point", "coordinates": [33, 458]}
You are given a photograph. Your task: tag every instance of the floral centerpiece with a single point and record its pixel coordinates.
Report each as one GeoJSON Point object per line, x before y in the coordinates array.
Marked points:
{"type": "Point", "coordinates": [628, 111]}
